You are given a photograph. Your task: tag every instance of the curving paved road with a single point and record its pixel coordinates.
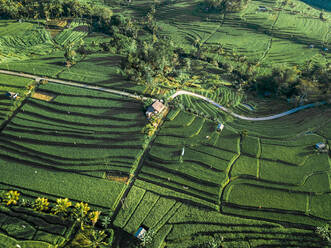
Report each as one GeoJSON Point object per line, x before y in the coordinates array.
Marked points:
{"type": "Point", "coordinates": [271, 117]}
{"type": "Point", "coordinates": [178, 93]}
{"type": "Point", "coordinates": [70, 83]}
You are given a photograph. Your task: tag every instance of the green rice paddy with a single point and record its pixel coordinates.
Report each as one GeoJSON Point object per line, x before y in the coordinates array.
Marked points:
{"type": "Point", "coordinates": [253, 184]}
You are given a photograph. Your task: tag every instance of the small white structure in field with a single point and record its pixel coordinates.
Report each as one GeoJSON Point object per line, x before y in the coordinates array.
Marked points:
{"type": "Point", "coordinates": [183, 151]}
{"type": "Point", "coordinates": [12, 95]}
{"type": "Point", "coordinates": [156, 108]}
{"type": "Point", "coordinates": [220, 127]}
{"type": "Point", "coordinates": [263, 8]}
{"type": "Point", "coordinates": [320, 146]}
{"type": "Point", "coordinates": [140, 234]}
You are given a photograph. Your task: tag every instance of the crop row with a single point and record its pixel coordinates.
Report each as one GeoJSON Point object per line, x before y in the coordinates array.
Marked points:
{"type": "Point", "coordinates": [259, 199]}
{"type": "Point", "coordinates": [195, 226]}
{"type": "Point", "coordinates": [12, 84]}
{"type": "Point", "coordinates": [21, 45]}
{"type": "Point", "coordinates": [75, 32]}
{"type": "Point", "coordinates": [189, 156]}
{"type": "Point", "coordinates": [80, 137]}
{"type": "Point", "coordinates": [142, 207]}
{"type": "Point", "coordinates": [182, 225]}
{"type": "Point", "coordinates": [63, 134]}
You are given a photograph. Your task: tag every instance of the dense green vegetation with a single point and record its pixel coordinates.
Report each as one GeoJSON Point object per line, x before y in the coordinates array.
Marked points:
{"type": "Point", "coordinates": [227, 5]}
{"type": "Point", "coordinates": [252, 184]}
{"type": "Point", "coordinates": [32, 228]}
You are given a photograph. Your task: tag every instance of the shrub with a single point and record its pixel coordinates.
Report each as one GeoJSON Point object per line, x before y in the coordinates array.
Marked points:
{"type": "Point", "coordinates": [94, 216]}
{"type": "Point", "coordinates": [105, 221]}
{"type": "Point", "coordinates": [227, 5]}
{"type": "Point", "coordinates": [324, 232]}
{"type": "Point", "coordinates": [11, 197]}
{"type": "Point", "coordinates": [79, 213]}
{"type": "Point", "coordinates": [40, 204]}
{"type": "Point", "coordinates": [61, 206]}
{"type": "Point", "coordinates": [89, 238]}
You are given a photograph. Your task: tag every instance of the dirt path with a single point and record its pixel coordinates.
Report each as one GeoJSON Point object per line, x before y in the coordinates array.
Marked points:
{"type": "Point", "coordinates": [70, 83]}
{"type": "Point", "coordinates": [266, 52]}
{"type": "Point", "coordinates": [271, 117]}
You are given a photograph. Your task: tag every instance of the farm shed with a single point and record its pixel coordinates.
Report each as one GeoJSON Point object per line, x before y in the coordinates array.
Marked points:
{"type": "Point", "coordinates": [220, 127]}
{"type": "Point", "coordinates": [156, 108]}
{"type": "Point", "coordinates": [12, 95]}
{"type": "Point", "coordinates": [140, 233]}
{"type": "Point", "coordinates": [320, 145]}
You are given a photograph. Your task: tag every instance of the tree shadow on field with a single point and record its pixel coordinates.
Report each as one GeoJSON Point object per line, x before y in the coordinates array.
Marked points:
{"type": "Point", "coordinates": [58, 63]}
{"type": "Point", "coordinates": [3, 25]}
{"type": "Point", "coordinates": [112, 58]}
{"type": "Point", "coordinates": [50, 58]}
{"type": "Point", "coordinates": [117, 82]}
{"type": "Point", "coordinates": [304, 154]}
{"type": "Point", "coordinates": [3, 96]}
{"type": "Point", "coordinates": [183, 13]}
{"type": "Point", "coordinates": [176, 154]}
{"type": "Point", "coordinates": [308, 150]}
{"type": "Point", "coordinates": [229, 136]}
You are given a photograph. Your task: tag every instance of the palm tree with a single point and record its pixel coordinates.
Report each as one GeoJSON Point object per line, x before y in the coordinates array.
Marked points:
{"type": "Point", "coordinates": [11, 197]}
{"type": "Point", "coordinates": [80, 211]}
{"type": "Point", "coordinates": [89, 238]}
{"type": "Point", "coordinates": [40, 204]}
{"type": "Point", "coordinates": [62, 206]}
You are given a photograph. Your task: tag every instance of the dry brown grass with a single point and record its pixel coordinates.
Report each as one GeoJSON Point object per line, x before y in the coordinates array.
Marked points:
{"type": "Point", "coordinates": [43, 96]}
{"type": "Point", "coordinates": [121, 179]}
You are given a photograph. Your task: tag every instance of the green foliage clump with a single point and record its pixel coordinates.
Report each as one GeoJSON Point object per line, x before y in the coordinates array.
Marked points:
{"type": "Point", "coordinates": [62, 206]}
{"type": "Point", "coordinates": [309, 82]}
{"type": "Point", "coordinates": [11, 197]}
{"type": "Point", "coordinates": [41, 204]}
{"type": "Point", "coordinates": [150, 60]}
{"type": "Point", "coordinates": [324, 232]}
{"type": "Point", "coordinates": [89, 238]}
{"type": "Point", "coordinates": [227, 5]}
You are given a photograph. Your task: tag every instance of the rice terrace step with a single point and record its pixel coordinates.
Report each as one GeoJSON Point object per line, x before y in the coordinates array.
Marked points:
{"type": "Point", "coordinates": [165, 124]}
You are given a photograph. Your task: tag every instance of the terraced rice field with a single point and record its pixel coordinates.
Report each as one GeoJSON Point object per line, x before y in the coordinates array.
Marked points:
{"type": "Point", "coordinates": [285, 179]}
{"type": "Point", "coordinates": [82, 135]}
{"type": "Point", "coordinates": [28, 228]}
{"type": "Point", "coordinates": [20, 40]}
{"type": "Point", "coordinates": [179, 224]}
{"type": "Point", "coordinates": [76, 30]}
{"type": "Point", "coordinates": [216, 167]}
{"type": "Point", "coordinates": [222, 95]}
{"type": "Point", "coordinates": [102, 69]}
{"type": "Point", "coordinates": [280, 180]}
{"type": "Point", "coordinates": [11, 84]}
{"type": "Point", "coordinates": [282, 34]}
{"type": "Point", "coordinates": [199, 173]}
